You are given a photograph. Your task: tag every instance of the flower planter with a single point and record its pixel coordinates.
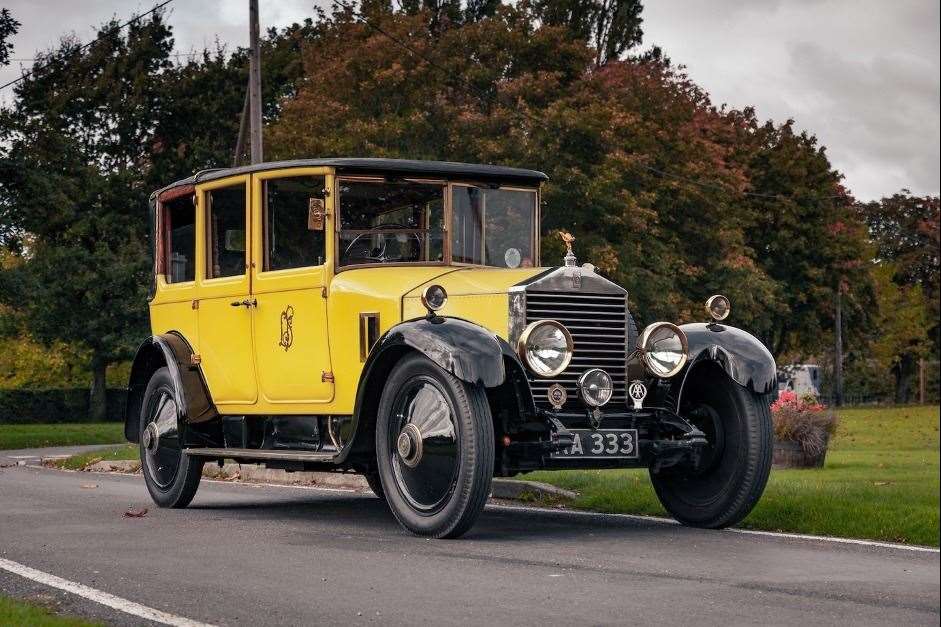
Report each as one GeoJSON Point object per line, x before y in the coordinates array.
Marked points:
{"type": "Point", "coordinates": [789, 454]}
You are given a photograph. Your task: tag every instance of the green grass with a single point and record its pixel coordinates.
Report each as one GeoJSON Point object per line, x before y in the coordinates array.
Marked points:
{"type": "Point", "coordinates": [77, 462]}
{"type": "Point", "coordinates": [65, 434]}
{"type": "Point", "coordinates": [880, 482]}
{"type": "Point", "coordinates": [13, 612]}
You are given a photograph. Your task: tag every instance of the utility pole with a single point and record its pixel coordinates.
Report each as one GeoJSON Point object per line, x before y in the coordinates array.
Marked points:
{"type": "Point", "coordinates": [838, 352]}
{"type": "Point", "coordinates": [254, 83]}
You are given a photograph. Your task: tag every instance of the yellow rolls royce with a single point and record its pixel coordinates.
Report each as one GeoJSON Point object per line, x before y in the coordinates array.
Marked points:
{"type": "Point", "coordinates": [394, 318]}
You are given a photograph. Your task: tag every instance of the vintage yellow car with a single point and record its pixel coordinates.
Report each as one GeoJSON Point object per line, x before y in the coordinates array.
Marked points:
{"type": "Point", "coordinates": [393, 318]}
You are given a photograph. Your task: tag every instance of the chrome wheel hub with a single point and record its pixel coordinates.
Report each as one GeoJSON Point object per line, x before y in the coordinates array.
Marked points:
{"type": "Point", "coordinates": [151, 438]}
{"type": "Point", "coordinates": [409, 445]}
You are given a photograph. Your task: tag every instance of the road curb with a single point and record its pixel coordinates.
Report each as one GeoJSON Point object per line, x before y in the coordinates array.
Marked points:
{"type": "Point", "coordinates": [509, 489]}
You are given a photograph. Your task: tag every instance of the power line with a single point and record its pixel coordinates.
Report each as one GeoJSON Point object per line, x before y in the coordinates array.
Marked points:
{"type": "Point", "coordinates": [468, 87]}
{"type": "Point", "coordinates": [84, 47]}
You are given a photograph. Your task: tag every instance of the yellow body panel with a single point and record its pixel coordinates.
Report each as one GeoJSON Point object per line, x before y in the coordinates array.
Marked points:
{"type": "Point", "coordinates": [244, 361]}
{"type": "Point", "coordinates": [475, 294]}
{"type": "Point", "coordinates": [292, 348]}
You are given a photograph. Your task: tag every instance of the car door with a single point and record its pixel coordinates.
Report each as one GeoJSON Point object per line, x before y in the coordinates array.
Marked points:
{"type": "Point", "coordinates": [225, 305]}
{"type": "Point", "coordinates": [289, 278]}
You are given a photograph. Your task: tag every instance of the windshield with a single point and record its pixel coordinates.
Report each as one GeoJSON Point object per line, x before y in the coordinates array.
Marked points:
{"type": "Point", "coordinates": [493, 227]}
{"type": "Point", "coordinates": [404, 222]}
{"type": "Point", "coordinates": [391, 222]}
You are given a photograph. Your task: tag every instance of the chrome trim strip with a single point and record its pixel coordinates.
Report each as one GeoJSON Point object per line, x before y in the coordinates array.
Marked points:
{"type": "Point", "coordinates": [254, 453]}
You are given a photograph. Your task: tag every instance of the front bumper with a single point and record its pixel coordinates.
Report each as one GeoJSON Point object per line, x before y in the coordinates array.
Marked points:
{"type": "Point", "coordinates": [664, 439]}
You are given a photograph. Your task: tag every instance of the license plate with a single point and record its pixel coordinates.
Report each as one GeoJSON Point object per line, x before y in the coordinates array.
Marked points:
{"type": "Point", "coordinates": [603, 443]}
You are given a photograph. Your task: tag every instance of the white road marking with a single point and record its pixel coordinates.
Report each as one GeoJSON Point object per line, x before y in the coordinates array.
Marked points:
{"type": "Point", "coordinates": [749, 532]}
{"type": "Point", "coordinates": [103, 598]}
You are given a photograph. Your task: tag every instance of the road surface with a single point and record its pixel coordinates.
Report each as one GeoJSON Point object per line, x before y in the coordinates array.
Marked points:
{"type": "Point", "coordinates": [269, 555]}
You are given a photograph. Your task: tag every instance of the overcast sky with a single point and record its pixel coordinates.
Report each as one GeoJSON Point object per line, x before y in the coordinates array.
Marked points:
{"type": "Point", "coordinates": [863, 75]}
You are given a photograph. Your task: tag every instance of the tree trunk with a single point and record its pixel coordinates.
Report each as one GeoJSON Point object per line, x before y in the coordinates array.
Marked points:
{"type": "Point", "coordinates": [97, 401]}
{"type": "Point", "coordinates": [838, 350]}
{"type": "Point", "coordinates": [904, 374]}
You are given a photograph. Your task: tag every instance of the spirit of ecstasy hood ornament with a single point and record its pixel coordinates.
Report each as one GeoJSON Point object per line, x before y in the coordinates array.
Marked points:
{"type": "Point", "coordinates": [568, 238]}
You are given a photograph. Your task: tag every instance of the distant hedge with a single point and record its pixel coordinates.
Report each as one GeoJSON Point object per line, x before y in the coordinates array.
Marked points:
{"type": "Point", "coordinates": [25, 406]}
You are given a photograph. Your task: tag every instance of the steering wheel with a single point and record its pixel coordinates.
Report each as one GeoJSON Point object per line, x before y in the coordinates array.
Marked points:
{"type": "Point", "coordinates": [378, 255]}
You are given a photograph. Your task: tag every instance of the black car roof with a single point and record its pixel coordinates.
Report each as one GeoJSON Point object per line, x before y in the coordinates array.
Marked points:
{"type": "Point", "coordinates": [409, 167]}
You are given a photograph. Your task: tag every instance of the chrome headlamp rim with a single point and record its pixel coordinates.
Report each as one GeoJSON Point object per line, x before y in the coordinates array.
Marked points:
{"type": "Point", "coordinates": [584, 396]}
{"type": "Point", "coordinates": [524, 354]}
{"type": "Point", "coordinates": [642, 347]}
{"type": "Point", "coordinates": [427, 301]}
{"type": "Point", "coordinates": [711, 301]}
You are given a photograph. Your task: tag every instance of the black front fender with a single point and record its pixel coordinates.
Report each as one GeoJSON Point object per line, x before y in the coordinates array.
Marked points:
{"type": "Point", "coordinates": [741, 355]}
{"type": "Point", "coordinates": [468, 351]}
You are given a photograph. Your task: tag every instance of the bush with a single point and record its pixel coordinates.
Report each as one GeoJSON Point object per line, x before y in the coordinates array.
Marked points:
{"type": "Point", "coordinates": [26, 406]}
{"type": "Point", "coordinates": [804, 421]}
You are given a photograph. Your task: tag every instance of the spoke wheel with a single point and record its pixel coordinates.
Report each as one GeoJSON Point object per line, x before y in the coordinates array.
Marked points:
{"type": "Point", "coordinates": [423, 444]}
{"type": "Point", "coordinates": [172, 476]}
{"type": "Point", "coordinates": [734, 469]}
{"type": "Point", "coordinates": [434, 448]}
{"type": "Point", "coordinates": [161, 441]}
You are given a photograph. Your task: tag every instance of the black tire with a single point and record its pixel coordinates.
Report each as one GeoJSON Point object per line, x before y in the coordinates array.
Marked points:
{"type": "Point", "coordinates": [440, 485]}
{"type": "Point", "coordinates": [172, 476]}
{"type": "Point", "coordinates": [375, 484]}
{"type": "Point", "coordinates": [734, 471]}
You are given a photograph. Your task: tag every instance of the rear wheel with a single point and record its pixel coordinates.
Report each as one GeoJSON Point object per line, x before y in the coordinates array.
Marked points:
{"type": "Point", "coordinates": [171, 475]}
{"type": "Point", "coordinates": [734, 468]}
{"type": "Point", "coordinates": [434, 448]}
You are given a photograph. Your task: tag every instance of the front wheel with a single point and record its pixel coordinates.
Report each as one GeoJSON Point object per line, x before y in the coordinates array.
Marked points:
{"type": "Point", "coordinates": [171, 475]}
{"type": "Point", "coordinates": [734, 467]}
{"type": "Point", "coordinates": [434, 448]}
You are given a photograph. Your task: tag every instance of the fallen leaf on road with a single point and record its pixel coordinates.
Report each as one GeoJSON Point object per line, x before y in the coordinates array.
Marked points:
{"type": "Point", "coordinates": [89, 486]}
{"type": "Point", "coordinates": [136, 513]}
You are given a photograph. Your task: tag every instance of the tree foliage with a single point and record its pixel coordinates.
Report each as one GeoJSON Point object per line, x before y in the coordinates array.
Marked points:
{"type": "Point", "coordinates": [652, 179]}
{"type": "Point", "coordinates": [8, 28]}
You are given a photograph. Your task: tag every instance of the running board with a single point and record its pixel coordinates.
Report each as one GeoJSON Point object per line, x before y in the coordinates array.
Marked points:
{"type": "Point", "coordinates": [262, 454]}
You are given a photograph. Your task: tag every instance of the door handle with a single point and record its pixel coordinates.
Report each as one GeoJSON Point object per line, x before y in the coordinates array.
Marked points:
{"type": "Point", "coordinates": [244, 303]}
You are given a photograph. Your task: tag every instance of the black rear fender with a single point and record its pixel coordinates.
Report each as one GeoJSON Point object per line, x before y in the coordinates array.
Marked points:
{"type": "Point", "coordinates": [174, 352]}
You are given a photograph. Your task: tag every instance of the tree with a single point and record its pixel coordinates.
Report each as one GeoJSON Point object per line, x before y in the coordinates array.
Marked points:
{"type": "Point", "coordinates": [905, 230]}
{"type": "Point", "coordinates": [76, 141]}
{"type": "Point", "coordinates": [611, 27]}
{"type": "Point", "coordinates": [90, 134]}
{"type": "Point", "coordinates": [8, 28]}
{"type": "Point", "coordinates": [805, 233]}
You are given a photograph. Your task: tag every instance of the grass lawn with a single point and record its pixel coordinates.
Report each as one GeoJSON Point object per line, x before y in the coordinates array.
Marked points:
{"type": "Point", "coordinates": [77, 462]}
{"type": "Point", "coordinates": [14, 612]}
{"type": "Point", "coordinates": [65, 434]}
{"type": "Point", "coordinates": [880, 482]}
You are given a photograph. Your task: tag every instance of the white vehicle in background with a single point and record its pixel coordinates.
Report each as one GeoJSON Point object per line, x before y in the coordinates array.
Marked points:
{"type": "Point", "coordinates": [802, 379]}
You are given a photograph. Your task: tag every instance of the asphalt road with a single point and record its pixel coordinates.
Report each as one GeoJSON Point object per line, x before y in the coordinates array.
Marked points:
{"type": "Point", "coordinates": [266, 555]}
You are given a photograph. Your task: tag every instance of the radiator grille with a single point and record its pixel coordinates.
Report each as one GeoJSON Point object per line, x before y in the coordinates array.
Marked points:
{"type": "Point", "coordinates": [598, 326]}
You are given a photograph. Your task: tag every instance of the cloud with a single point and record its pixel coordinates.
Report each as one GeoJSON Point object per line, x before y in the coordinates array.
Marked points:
{"type": "Point", "coordinates": [860, 74]}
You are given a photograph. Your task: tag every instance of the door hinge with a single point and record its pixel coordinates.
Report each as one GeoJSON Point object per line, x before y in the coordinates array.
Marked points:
{"type": "Point", "coordinates": [195, 359]}
{"type": "Point", "coordinates": [195, 304]}
{"type": "Point", "coordinates": [326, 377]}
{"type": "Point", "coordinates": [323, 291]}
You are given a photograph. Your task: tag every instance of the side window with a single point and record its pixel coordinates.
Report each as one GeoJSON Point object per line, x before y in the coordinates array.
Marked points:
{"type": "Point", "coordinates": [178, 261]}
{"type": "Point", "coordinates": [225, 231]}
{"type": "Point", "coordinates": [293, 234]}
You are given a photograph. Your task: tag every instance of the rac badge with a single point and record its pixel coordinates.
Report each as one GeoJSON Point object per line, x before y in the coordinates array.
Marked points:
{"type": "Point", "coordinates": [287, 328]}
{"type": "Point", "coordinates": [557, 396]}
{"type": "Point", "coordinates": [638, 392]}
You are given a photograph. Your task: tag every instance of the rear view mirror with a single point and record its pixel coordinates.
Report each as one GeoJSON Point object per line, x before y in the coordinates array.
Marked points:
{"type": "Point", "coordinates": [316, 211]}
